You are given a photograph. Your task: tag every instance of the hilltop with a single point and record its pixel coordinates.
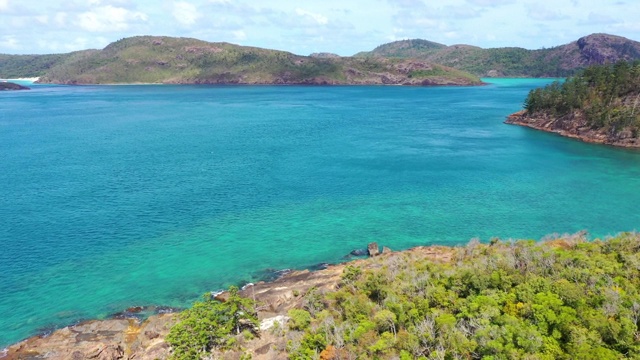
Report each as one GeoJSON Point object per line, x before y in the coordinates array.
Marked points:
{"type": "Point", "coordinates": [559, 61]}
{"type": "Point", "coordinates": [168, 60]}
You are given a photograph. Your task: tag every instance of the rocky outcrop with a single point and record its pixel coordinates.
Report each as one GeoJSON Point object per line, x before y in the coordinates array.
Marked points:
{"type": "Point", "coordinates": [132, 338]}
{"type": "Point", "coordinates": [574, 126]}
{"type": "Point", "coordinates": [9, 86]}
{"type": "Point", "coordinates": [373, 249]}
{"type": "Point", "coordinates": [100, 339]}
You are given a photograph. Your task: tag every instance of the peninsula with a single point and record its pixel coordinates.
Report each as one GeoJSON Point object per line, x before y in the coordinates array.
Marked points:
{"type": "Point", "coordinates": [599, 105]}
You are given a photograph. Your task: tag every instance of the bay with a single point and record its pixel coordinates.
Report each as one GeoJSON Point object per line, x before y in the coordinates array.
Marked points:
{"type": "Point", "coordinates": [113, 196]}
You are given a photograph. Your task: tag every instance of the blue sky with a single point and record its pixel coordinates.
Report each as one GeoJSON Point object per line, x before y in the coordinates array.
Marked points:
{"type": "Point", "coordinates": [302, 27]}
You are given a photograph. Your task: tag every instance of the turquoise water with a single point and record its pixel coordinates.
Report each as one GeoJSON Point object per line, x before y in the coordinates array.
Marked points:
{"type": "Point", "coordinates": [113, 196]}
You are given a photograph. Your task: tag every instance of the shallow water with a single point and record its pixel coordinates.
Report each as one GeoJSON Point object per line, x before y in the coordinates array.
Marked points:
{"type": "Point", "coordinates": [114, 196]}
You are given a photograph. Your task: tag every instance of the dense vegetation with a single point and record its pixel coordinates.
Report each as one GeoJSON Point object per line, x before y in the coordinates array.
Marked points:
{"type": "Point", "coordinates": [605, 96]}
{"type": "Point", "coordinates": [564, 298]}
{"type": "Point", "coordinates": [27, 66]}
{"type": "Point", "coordinates": [559, 61]}
{"type": "Point", "coordinates": [212, 324]}
{"type": "Point", "coordinates": [147, 59]}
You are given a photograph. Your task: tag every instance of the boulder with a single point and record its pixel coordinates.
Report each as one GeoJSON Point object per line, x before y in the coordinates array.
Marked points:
{"type": "Point", "coordinates": [359, 252]}
{"type": "Point", "coordinates": [386, 250]}
{"type": "Point", "coordinates": [373, 249]}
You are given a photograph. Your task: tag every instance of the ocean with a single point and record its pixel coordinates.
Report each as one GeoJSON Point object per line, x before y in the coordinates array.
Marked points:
{"type": "Point", "coordinates": [115, 196]}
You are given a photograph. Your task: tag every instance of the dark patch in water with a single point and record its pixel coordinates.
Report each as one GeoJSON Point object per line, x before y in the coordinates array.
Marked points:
{"type": "Point", "coordinates": [271, 274]}
{"type": "Point", "coordinates": [320, 266]}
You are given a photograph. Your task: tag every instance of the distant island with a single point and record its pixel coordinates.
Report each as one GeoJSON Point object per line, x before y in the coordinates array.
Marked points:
{"type": "Point", "coordinates": [168, 60]}
{"type": "Point", "coordinates": [9, 86]}
{"type": "Point", "coordinates": [600, 105]}
{"type": "Point", "coordinates": [559, 61]}
{"type": "Point", "coordinates": [155, 59]}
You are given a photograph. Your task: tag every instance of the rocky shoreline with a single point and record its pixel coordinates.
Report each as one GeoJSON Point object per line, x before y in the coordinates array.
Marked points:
{"type": "Point", "coordinates": [127, 336]}
{"type": "Point", "coordinates": [573, 127]}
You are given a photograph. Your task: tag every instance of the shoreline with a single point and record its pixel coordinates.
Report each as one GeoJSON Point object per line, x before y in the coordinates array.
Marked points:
{"type": "Point", "coordinates": [125, 334]}
{"type": "Point", "coordinates": [578, 132]}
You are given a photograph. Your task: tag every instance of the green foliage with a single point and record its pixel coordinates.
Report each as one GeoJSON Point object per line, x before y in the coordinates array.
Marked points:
{"type": "Point", "coordinates": [299, 319]}
{"type": "Point", "coordinates": [211, 324]}
{"type": "Point", "coordinates": [25, 66]}
{"type": "Point", "coordinates": [606, 96]}
{"type": "Point", "coordinates": [565, 299]}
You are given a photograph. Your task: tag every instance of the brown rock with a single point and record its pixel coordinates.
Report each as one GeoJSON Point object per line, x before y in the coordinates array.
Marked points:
{"type": "Point", "coordinates": [373, 249]}
{"type": "Point", "coordinates": [386, 250]}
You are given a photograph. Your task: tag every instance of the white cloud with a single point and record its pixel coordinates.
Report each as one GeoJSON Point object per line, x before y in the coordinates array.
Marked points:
{"type": "Point", "coordinates": [239, 35]}
{"type": "Point", "coordinates": [491, 3]}
{"type": "Point", "coordinates": [4, 5]}
{"type": "Point", "coordinates": [60, 19]}
{"type": "Point", "coordinates": [42, 19]}
{"type": "Point", "coordinates": [317, 18]}
{"type": "Point", "coordinates": [600, 19]}
{"type": "Point", "coordinates": [542, 13]}
{"type": "Point", "coordinates": [9, 42]}
{"type": "Point", "coordinates": [185, 13]}
{"type": "Point", "coordinates": [109, 19]}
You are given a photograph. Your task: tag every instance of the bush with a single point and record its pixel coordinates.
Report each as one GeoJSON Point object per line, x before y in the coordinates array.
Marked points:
{"type": "Point", "coordinates": [210, 324]}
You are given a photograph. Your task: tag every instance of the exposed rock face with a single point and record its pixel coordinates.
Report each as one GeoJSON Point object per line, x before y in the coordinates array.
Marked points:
{"type": "Point", "coordinates": [373, 249]}
{"type": "Point", "coordinates": [129, 339]}
{"type": "Point", "coordinates": [100, 339]}
{"type": "Point", "coordinates": [9, 86]}
{"type": "Point", "coordinates": [386, 250]}
{"type": "Point", "coordinates": [574, 126]}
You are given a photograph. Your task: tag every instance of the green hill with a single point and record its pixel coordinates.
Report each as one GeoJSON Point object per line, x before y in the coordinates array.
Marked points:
{"type": "Point", "coordinates": [600, 104]}
{"type": "Point", "coordinates": [28, 66]}
{"type": "Point", "coordinates": [405, 49]}
{"type": "Point", "coordinates": [558, 61]}
{"type": "Point", "coordinates": [147, 59]}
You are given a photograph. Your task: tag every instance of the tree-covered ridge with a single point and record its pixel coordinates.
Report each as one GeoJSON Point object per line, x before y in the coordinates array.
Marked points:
{"type": "Point", "coordinates": [27, 66]}
{"type": "Point", "coordinates": [563, 299]}
{"type": "Point", "coordinates": [606, 97]}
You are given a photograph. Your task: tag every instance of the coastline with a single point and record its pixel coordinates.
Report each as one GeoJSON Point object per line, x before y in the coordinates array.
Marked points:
{"type": "Point", "coordinates": [571, 129]}
{"type": "Point", "coordinates": [127, 336]}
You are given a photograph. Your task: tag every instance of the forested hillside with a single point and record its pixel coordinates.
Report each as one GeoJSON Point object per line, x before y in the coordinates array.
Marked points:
{"type": "Point", "coordinates": [599, 104]}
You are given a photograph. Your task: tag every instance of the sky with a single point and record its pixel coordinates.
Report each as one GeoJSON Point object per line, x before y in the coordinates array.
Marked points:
{"type": "Point", "coordinates": [344, 27]}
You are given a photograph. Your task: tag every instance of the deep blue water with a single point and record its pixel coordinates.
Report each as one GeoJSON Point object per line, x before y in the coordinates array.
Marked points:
{"type": "Point", "coordinates": [113, 196]}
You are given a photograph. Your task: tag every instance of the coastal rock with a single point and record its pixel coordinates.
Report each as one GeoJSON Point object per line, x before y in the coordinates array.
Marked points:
{"type": "Point", "coordinates": [100, 339]}
{"type": "Point", "coordinates": [359, 252]}
{"type": "Point", "coordinates": [386, 250]}
{"type": "Point", "coordinates": [9, 86]}
{"type": "Point", "coordinates": [373, 249]}
{"type": "Point", "coordinates": [268, 323]}
{"type": "Point", "coordinates": [573, 126]}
